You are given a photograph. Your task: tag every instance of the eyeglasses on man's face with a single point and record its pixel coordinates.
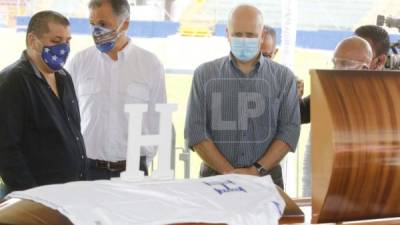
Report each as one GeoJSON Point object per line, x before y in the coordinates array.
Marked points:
{"type": "Point", "coordinates": [348, 64]}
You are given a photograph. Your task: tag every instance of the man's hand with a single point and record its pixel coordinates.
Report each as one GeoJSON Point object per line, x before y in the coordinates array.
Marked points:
{"type": "Point", "coordinates": [247, 171]}
{"type": "Point", "coordinates": [210, 155]}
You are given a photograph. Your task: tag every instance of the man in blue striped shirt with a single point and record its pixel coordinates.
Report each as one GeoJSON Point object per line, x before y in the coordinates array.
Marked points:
{"type": "Point", "coordinates": [243, 113]}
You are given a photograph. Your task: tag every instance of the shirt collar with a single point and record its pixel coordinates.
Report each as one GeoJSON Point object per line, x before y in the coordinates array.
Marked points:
{"type": "Point", "coordinates": [256, 67]}
{"type": "Point", "coordinates": [122, 52]}
{"type": "Point", "coordinates": [127, 47]}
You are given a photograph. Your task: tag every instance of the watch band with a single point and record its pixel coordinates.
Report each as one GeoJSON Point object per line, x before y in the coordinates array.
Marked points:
{"type": "Point", "coordinates": [260, 169]}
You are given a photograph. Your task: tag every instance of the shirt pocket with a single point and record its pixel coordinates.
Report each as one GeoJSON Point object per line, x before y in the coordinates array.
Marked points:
{"type": "Point", "coordinates": [137, 93]}
{"type": "Point", "coordinates": [88, 88]}
{"type": "Point", "coordinates": [90, 98]}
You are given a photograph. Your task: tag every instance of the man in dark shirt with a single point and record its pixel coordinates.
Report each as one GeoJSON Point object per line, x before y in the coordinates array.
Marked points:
{"type": "Point", "coordinates": [305, 108]}
{"type": "Point", "coordinates": [269, 50]}
{"type": "Point", "coordinates": [40, 138]}
{"type": "Point", "coordinates": [355, 50]}
{"type": "Point", "coordinates": [379, 40]}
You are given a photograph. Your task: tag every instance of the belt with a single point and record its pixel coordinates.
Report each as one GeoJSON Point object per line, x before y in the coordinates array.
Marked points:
{"type": "Point", "coordinates": [111, 166]}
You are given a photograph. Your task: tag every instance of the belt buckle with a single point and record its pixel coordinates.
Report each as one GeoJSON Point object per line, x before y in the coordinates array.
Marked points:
{"type": "Point", "coordinates": [112, 169]}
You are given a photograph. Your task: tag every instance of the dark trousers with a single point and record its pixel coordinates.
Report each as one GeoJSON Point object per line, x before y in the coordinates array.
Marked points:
{"type": "Point", "coordinates": [95, 173]}
{"type": "Point", "coordinates": [3, 190]}
{"type": "Point", "coordinates": [276, 174]}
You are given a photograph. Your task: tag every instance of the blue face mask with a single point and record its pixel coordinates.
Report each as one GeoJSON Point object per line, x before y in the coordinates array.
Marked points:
{"type": "Point", "coordinates": [104, 38]}
{"type": "Point", "coordinates": [55, 56]}
{"type": "Point", "coordinates": [245, 49]}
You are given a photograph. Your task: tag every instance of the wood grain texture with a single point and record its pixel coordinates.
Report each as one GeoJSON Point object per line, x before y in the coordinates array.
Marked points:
{"type": "Point", "coordinates": [322, 130]}
{"type": "Point", "coordinates": [24, 212]}
{"type": "Point", "coordinates": [356, 164]}
{"type": "Point", "coordinates": [292, 212]}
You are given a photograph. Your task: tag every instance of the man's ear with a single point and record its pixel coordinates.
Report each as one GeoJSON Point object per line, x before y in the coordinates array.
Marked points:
{"type": "Point", "coordinates": [263, 36]}
{"type": "Point", "coordinates": [227, 33]}
{"type": "Point", "coordinates": [30, 40]}
{"type": "Point", "coordinates": [125, 27]}
{"type": "Point", "coordinates": [381, 60]}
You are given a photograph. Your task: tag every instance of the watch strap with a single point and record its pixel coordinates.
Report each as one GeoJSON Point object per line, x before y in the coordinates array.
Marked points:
{"type": "Point", "coordinates": [260, 169]}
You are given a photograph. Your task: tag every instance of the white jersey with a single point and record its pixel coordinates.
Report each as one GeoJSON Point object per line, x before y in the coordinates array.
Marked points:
{"type": "Point", "coordinates": [231, 199]}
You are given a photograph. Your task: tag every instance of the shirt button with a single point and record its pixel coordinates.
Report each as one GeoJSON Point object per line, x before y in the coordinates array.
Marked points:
{"type": "Point", "coordinates": [73, 101]}
{"type": "Point", "coordinates": [83, 157]}
{"type": "Point", "coordinates": [77, 138]}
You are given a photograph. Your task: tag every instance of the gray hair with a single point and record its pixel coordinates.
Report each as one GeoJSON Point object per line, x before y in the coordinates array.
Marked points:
{"type": "Point", "coordinates": [270, 31]}
{"type": "Point", "coordinates": [120, 8]}
{"type": "Point", "coordinates": [260, 19]}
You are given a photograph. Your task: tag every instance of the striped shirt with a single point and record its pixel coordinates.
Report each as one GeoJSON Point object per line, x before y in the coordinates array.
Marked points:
{"type": "Point", "coordinates": [243, 114]}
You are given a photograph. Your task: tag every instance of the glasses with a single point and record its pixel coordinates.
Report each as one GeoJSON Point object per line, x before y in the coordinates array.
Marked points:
{"type": "Point", "coordinates": [348, 64]}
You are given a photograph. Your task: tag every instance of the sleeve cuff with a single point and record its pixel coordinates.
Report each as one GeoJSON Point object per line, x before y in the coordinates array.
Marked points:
{"type": "Point", "coordinates": [195, 138]}
{"type": "Point", "coordinates": [290, 137]}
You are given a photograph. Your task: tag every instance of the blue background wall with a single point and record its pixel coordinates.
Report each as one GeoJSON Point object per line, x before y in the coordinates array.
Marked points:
{"type": "Point", "coordinates": [319, 39]}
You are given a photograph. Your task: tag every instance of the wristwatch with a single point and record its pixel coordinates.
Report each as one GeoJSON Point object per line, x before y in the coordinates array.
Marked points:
{"type": "Point", "coordinates": [260, 169]}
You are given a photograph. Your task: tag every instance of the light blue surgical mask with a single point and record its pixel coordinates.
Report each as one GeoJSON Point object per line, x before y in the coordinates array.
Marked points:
{"type": "Point", "coordinates": [245, 49]}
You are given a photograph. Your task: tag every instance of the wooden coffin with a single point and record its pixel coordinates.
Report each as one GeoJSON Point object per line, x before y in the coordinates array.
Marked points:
{"type": "Point", "coordinates": [355, 134]}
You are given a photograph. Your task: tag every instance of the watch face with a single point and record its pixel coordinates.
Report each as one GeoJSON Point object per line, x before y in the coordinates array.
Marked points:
{"type": "Point", "coordinates": [263, 172]}
{"type": "Point", "coordinates": [259, 168]}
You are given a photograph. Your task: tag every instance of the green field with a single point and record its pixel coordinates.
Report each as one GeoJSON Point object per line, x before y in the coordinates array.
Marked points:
{"type": "Point", "coordinates": [178, 85]}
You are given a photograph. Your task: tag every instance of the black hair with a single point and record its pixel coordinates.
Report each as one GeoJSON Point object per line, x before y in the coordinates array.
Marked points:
{"type": "Point", "coordinates": [377, 35]}
{"type": "Point", "coordinates": [39, 23]}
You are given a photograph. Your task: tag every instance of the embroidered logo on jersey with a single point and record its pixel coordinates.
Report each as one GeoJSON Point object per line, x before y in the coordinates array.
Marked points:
{"type": "Point", "coordinates": [223, 187]}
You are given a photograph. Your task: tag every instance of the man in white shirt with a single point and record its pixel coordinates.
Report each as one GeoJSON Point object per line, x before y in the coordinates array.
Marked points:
{"type": "Point", "coordinates": [107, 76]}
